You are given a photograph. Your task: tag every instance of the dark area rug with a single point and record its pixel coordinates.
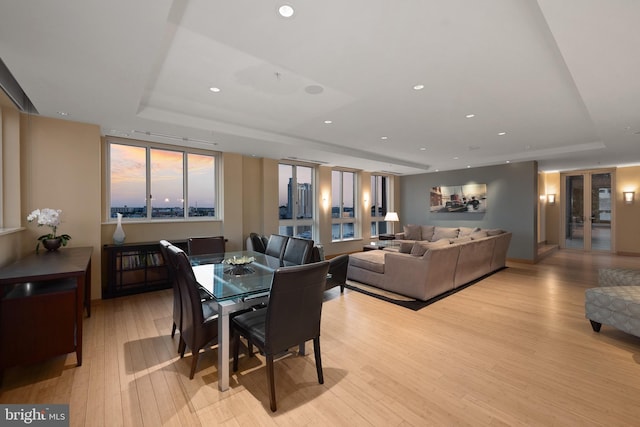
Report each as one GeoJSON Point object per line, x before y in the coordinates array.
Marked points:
{"type": "Point", "coordinates": [403, 301]}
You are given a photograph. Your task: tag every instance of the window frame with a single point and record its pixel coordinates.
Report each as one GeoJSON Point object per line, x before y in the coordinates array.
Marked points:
{"type": "Point", "coordinates": [148, 146]}
{"type": "Point", "coordinates": [341, 220]}
{"type": "Point", "coordinates": [385, 203]}
{"type": "Point", "coordinates": [294, 222]}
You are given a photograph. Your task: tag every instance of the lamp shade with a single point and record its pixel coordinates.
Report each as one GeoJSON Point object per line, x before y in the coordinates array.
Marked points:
{"type": "Point", "coordinates": [391, 216]}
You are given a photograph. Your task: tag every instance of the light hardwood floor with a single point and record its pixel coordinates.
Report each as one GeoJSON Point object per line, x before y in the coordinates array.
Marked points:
{"type": "Point", "coordinates": [513, 349]}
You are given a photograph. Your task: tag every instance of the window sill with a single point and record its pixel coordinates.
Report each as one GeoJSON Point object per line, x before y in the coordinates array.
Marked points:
{"type": "Point", "coordinates": [8, 230]}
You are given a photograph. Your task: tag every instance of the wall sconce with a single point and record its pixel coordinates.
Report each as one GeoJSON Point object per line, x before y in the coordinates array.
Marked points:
{"type": "Point", "coordinates": [551, 199]}
{"type": "Point", "coordinates": [628, 196]}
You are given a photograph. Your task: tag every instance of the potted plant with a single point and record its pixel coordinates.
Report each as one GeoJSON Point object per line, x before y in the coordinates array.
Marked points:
{"type": "Point", "coordinates": [50, 218]}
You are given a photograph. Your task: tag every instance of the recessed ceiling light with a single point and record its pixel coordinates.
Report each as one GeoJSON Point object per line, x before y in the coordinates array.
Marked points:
{"type": "Point", "coordinates": [384, 138]}
{"type": "Point", "coordinates": [508, 161]}
{"type": "Point", "coordinates": [470, 116]}
{"type": "Point", "coordinates": [468, 166]}
{"type": "Point", "coordinates": [418, 87]}
{"type": "Point", "coordinates": [63, 113]}
{"type": "Point", "coordinates": [328, 122]}
{"type": "Point", "coordinates": [286, 11]}
{"type": "Point", "coordinates": [423, 148]}
{"type": "Point", "coordinates": [214, 89]}
{"type": "Point", "coordinates": [501, 133]}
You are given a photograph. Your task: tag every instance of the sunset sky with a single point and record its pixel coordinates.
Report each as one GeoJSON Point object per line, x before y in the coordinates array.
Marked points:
{"type": "Point", "coordinates": [128, 170]}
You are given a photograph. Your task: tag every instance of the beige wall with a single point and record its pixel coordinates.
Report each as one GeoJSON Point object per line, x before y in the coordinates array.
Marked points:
{"type": "Point", "coordinates": [627, 234]}
{"type": "Point", "coordinates": [551, 185]}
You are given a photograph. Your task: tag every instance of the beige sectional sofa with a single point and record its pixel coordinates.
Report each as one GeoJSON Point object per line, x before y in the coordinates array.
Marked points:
{"type": "Point", "coordinates": [432, 260]}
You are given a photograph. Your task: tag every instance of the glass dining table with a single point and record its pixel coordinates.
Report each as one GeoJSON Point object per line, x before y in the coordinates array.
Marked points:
{"type": "Point", "coordinates": [233, 287]}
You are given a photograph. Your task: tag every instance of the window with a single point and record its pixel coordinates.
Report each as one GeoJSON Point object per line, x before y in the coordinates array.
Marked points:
{"type": "Point", "coordinates": [146, 181]}
{"type": "Point", "coordinates": [380, 185]}
{"type": "Point", "coordinates": [343, 213]}
{"type": "Point", "coordinates": [296, 200]}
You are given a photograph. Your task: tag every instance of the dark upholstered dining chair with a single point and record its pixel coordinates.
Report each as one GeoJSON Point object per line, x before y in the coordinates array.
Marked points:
{"type": "Point", "coordinates": [257, 243]}
{"type": "Point", "coordinates": [199, 320]}
{"type": "Point", "coordinates": [206, 245]}
{"type": "Point", "coordinates": [291, 318]}
{"type": "Point", "coordinates": [275, 245]}
{"type": "Point", "coordinates": [177, 304]}
{"type": "Point", "coordinates": [338, 272]}
{"type": "Point", "coordinates": [297, 251]}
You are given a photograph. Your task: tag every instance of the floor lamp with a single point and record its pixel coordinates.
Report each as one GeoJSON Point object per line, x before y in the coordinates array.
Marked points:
{"type": "Point", "coordinates": [392, 217]}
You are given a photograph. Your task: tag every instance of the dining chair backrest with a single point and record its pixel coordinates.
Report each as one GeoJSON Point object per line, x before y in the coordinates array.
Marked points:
{"type": "Point", "coordinates": [171, 271]}
{"type": "Point", "coordinates": [206, 245]}
{"type": "Point", "coordinates": [197, 329]}
{"type": "Point", "coordinates": [295, 306]}
{"type": "Point", "coordinates": [275, 245]}
{"type": "Point", "coordinates": [297, 251]}
{"type": "Point", "coordinates": [256, 243]}
{"type": "Point", "coordinates": [188, 285]}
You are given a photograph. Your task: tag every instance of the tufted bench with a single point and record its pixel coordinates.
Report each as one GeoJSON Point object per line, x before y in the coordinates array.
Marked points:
{"type": "Point", "coordinates": [617, 306]}
{"type": "Point", "coordinates": [618, 277]}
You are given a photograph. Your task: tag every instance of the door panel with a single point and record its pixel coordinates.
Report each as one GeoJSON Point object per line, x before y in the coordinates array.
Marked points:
{"type": "Point", "coordinates": [587, 211]}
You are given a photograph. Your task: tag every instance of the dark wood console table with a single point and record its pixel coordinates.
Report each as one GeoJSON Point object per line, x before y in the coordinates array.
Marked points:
{"type": "Point", "coordinates": [42, 301]}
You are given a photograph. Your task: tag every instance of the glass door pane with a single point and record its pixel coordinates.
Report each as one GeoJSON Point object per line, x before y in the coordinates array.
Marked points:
{"type": "Point", "coordinates": [601, 212]}
{"type": "Point", "coordinates": [574, 231]}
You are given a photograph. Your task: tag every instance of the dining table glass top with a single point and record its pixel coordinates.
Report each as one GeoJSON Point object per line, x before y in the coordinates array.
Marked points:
{"type": "Point", "coordinates": [234, 275]}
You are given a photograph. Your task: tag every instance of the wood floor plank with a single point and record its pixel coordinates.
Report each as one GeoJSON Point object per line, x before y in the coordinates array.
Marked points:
{"type": "Point", "coordinates": [512, 349]}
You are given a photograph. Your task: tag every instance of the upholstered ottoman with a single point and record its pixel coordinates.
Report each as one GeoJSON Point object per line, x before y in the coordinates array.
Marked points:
{"type": "Point", "coordinates": [617, 306]}
{"type": "Point", "coordinates": [618, 277]}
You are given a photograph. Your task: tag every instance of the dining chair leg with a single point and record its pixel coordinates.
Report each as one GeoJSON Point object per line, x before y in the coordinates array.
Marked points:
{"type": "Point", "coordinates": [316, 352]}
{"type": "Point", "coordinates": [194, 363]}
{"type": "Point", "coordinates": [236, 349]}
{"type": "Point", "coordinates": [173, 330]}
{"type": "Point", "coordinates": [182, 346]}
{"type": "Point", "coordinates": [271, 383]}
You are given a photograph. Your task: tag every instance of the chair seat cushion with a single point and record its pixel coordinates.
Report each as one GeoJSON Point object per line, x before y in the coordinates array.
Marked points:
{"type": "Point", "coordinates": [252, 323]}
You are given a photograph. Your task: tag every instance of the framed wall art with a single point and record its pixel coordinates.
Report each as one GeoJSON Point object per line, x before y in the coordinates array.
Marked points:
{"type": "Point", "coordinates": [470, 198]}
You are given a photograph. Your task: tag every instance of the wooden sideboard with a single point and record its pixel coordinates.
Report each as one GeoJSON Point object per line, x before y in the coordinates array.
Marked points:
{"type": "Point", "coordinates": [42, 301]}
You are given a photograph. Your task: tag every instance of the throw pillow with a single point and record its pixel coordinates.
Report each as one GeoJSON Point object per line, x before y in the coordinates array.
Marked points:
{"type": "Point", "coordinates": [405, 247]}
{"type": "Point", "coordinates": [427, 232]}
{"type": "Point", "coordinates": [444, 233]}
{"type": "Point", "coordinates": [418, 249]}
{"type": "Point", "coordinates": [478, 235]}
{"type": "Point", "coordinates": [412, 232]}
{"type": "Point", "coordinates": [466, 231]}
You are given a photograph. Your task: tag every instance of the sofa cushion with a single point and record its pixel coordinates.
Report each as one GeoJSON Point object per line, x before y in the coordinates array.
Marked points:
{"type": "Point", "coordinates": [427, 232]}
{"type": "Point", "coordinates": [478, 235]}
{"type": "Point", "coordinates": [368, 260]}
{"type": "Point", "coordinates": [412, 232]}
{"type": "Point", "coordinates": [444, 233]}
{"type": "Point", "coordinates": [405, 247]}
